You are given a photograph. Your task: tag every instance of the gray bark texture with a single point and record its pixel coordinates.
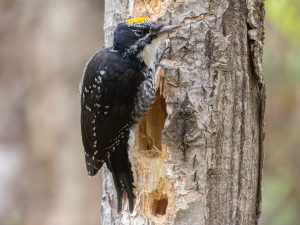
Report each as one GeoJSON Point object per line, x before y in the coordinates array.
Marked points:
{"type": "Point", "coordinates": [198, 153]}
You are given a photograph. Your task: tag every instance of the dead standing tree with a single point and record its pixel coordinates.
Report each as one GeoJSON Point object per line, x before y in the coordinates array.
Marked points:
{"type": "Point", "coordinates": [198, 154]}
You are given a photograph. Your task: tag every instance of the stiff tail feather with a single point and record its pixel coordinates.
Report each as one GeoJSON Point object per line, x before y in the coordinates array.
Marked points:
{"type": "Point", "coordinates": [120, 167]}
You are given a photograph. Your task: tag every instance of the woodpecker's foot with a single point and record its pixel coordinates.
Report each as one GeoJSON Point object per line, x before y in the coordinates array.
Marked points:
{"type": "Point", "coordinates": [159, 58]}
{"type": "Point", "coordinates": [164, 66]}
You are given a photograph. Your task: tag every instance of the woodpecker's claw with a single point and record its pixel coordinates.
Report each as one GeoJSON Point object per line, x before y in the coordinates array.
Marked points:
{"type": "Point", "coordinates": [164, 66]}
{"type": "Point", "coordinates": [158, 60]}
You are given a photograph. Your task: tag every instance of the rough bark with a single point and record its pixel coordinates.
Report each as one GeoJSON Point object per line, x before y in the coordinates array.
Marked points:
{"type": "Point", "coordinates": [198, 153]}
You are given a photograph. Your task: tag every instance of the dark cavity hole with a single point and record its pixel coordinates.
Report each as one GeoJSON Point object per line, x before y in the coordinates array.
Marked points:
{"type": "Point", "coordinates": [160, 206]}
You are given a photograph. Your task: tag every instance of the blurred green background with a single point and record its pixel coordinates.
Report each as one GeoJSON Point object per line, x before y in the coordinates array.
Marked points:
{"type": "Point", "coordinates": [43, 48]}
{"type": "Point", "coordinates": [281, 181]}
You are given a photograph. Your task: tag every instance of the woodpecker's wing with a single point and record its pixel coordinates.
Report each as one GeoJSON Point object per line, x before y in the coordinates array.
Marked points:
{"type": "Point", "coordinates": [109, 86]}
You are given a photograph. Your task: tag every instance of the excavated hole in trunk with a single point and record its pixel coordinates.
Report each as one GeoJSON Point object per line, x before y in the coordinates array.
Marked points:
{"type": "Point", "coordinates": [159, 203]}
{"type": "Point", "coordinates": [150, 129]}
{"type": "Point", "coordinates": [156, 198]}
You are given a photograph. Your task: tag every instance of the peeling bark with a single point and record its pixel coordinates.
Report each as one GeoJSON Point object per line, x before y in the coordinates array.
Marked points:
{"type": "Point", "coordinates": [198, 153]}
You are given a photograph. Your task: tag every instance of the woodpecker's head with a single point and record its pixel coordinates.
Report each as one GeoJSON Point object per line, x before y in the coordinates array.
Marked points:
{"type": "Point", "coordinates": [140, 37]}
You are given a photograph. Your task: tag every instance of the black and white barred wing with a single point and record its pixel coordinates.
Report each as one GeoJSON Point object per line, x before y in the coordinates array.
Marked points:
{"type": "Point", "coordinates": [91, 97]}
{"type": "Point", "coordinates": [105, 112]}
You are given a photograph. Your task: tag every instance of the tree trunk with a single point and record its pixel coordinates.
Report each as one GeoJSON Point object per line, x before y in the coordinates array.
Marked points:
{"type": "Point", "coordinates": [198, 153]}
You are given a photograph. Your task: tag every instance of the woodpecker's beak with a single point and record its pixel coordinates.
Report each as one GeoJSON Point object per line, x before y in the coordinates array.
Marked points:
{"type": "Point", "coordinates": [161, 28]}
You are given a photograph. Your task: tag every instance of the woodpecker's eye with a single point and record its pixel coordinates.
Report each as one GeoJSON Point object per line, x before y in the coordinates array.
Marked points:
{"type": "Point", "coordinates": [139, 32]}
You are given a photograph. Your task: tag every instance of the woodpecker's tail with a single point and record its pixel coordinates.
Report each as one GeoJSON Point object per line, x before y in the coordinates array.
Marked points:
{"type": "Point", "coordinates": [120, 167]}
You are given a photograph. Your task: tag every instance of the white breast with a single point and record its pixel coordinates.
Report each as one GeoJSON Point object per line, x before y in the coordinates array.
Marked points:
{"type": "Point", "coordinates": [149, 53]}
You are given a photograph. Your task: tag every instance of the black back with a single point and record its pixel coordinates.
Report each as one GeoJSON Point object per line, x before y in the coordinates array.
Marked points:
{"type": "Point", "coordinates": [110, 84]}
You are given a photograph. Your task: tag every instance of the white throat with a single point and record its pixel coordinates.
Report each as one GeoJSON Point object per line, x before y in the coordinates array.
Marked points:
{"type": "Point", "coordinates": [149, 52]}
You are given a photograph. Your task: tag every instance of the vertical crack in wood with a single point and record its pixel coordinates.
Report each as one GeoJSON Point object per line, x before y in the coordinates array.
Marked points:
{"type": "Point", "coordinates": [256, 32]}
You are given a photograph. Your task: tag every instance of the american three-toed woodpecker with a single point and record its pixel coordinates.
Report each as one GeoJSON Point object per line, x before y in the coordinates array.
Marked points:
{"type": "Point", "coordinates": [118, 87]}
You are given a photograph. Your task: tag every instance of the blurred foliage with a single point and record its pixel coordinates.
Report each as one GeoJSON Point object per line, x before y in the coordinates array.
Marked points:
{"type": "Point", "coordinates": [281, 184]}
{"type": "Point", "coordinates": [284, 18]}
{"type": "Point", "coordinates": [285, 15]}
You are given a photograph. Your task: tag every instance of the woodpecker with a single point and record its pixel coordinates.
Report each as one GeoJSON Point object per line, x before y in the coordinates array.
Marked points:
{"type": "Point", "coordinates": [118, 88]}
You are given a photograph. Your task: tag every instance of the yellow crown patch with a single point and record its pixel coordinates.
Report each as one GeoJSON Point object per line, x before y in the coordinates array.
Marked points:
{"type": "Point", "coordinates": [136, 20]}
